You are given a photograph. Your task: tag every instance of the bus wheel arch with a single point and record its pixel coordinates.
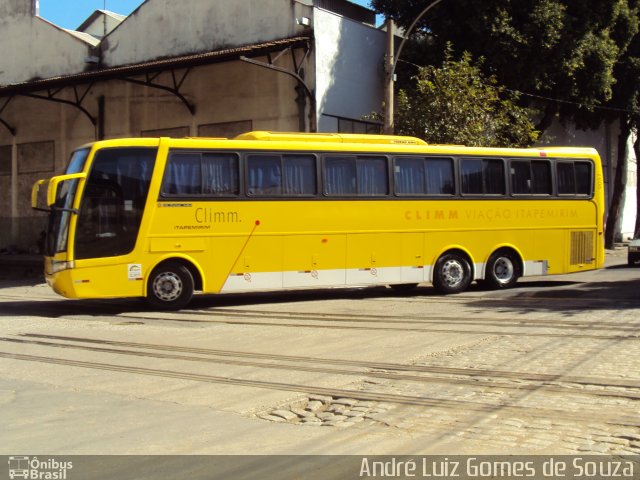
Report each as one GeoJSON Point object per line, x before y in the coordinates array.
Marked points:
{"type": "Point", "coordinates": [503, 268]}
{"type": "Point", "coordinates": [453, 271]}
{"type": "Point", "coordinates": [171, 284]}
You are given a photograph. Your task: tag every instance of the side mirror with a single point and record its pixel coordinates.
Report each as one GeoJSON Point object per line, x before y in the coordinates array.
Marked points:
{"type": "Point", "coordinates": [35, 194]}
{"type": "Point", "coordinates": [52, 191]}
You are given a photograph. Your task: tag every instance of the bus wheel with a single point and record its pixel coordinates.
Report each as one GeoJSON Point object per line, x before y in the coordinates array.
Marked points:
{"type": "Point", "coordinates": [452, 273]}
{"type": "Point", "coordinates": [502, 270]}
{"type": "Point", "coordinates": [170, 286]}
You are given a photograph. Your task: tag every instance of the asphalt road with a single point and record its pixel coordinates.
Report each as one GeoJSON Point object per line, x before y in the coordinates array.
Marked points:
{"type": "Point", "coordinates": [549, 367]}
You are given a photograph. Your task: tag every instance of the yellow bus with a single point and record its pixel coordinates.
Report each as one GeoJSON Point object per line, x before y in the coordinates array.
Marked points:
{"type": "Point", "coordinates": [163, 218]}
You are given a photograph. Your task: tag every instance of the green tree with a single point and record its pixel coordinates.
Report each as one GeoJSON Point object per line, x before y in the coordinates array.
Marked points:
{"type": "Point", "coordinates": [582, 53]}
{"type": "Point", "coordinates": [551, 48]}
{"type": "Point", "coordinates": [625, 108]}
{"type": "Point", "coordinates": [455, 103]}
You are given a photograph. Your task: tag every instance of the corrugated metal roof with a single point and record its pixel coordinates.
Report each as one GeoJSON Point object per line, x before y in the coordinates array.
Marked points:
{"type": "Point", "coordinates": [183, 61]}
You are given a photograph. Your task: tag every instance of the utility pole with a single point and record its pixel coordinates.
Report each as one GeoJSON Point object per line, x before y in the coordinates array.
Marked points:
{"type": "Point", "coordinates": [389, 67]}
{"type": "Point", "coordinates": [391, 60]}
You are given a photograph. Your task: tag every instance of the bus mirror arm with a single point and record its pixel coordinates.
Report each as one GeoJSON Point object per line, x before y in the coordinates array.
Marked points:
{"type": "Point", "coordinates": [52, 191]}
{"type": "Point", "coordinates": [61, 209]}
{"type": "Point", "coordinates": [35, 190]}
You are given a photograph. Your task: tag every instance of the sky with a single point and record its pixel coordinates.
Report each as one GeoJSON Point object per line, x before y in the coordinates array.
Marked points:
{"type": "Point", "coordinates": [71, 13]}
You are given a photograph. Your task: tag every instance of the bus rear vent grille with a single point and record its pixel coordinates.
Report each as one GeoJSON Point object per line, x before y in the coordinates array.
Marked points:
{"type": "Point", "coordinates": [581, 248]}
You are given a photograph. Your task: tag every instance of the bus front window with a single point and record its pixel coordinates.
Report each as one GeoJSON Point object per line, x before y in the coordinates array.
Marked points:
{"type": "Point", "coordinates": [113, 202]}
{"type": "Point", "coordinates": [58, 228]}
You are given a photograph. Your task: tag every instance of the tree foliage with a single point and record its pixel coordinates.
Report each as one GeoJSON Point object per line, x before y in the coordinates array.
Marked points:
{"type": "Point", "coordinates": [576, 60]}
{"type": "Point", "coordinates": [561, 49]}
{"type": "Point", "coordinates": [455, 103]}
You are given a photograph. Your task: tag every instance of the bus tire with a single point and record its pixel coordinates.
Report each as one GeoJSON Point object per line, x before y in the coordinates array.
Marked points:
{"type": "Point", "coordinates": [502, 271]}
{"type": "Point", "coordinates": [170, 286]}
{"type": "Point", "coordinates": [452, 273]}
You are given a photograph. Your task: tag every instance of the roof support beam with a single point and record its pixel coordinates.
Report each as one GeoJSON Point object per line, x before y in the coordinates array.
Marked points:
{"type": "Point", "coordinates": [79, 97]}
{"type": "Point", "coordinates": [297, 73]}
{"type": "Point", "coordinates": [11, 129]}
{"type": "Point", "coordinates": [176, 81]}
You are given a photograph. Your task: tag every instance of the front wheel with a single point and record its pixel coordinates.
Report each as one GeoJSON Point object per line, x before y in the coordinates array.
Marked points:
{"type": "Point", "coordinates": [503, 270]}
{"type": "Point", "coordinates": [452, 273]}
{"type": "Point", "coordinates": [170, 286]}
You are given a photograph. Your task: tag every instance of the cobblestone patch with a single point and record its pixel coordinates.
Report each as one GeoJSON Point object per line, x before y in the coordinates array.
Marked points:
{"type": "Point", "coordinates": [321, 410]}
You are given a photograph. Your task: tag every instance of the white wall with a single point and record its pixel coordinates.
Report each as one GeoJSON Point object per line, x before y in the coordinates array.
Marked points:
{"type": "Point", "coordinates": [349, 68]}
{"type": "Point", "coordinates": [630, 203]}
{"type": "Point", "coordinates": [34, 48]}
{"type": "Point", "coordinates": [165, 28]}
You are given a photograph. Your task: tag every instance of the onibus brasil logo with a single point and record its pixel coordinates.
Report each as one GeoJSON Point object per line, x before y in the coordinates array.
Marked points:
{"type": "Point", "coordinates": [33, 468]}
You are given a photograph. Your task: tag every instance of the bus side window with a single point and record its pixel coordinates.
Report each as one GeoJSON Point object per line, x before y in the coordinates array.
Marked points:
{"type": "Point", "coordinates": [493, 174]}
{"type": "Point", "coordinates": [340, 175]}
{"type": "Point", "coordinates": [299, 175]}
{"type": "Point", "coordinates": [542, 183]}
{"type": "Point", "coordinates": [220, 174]}
{"type": "Point", "coordinates": [482, 176]}
{"type": "Point", "coordinates": [566, 178]}
{"type": "Point", "coordinates": [264, 174]}
{"type": "Point", "coordinates": [471, 176]}
{"type": "Point", "coordinates": [372, 176]}
{"type": "Point", "coordinates": [521, 177]}
{"type": "Point", "coordinates": [409, 175]}
{"type": "Point", "coordinates": [439, 172]}
{"type": "Point", "coordinates": [183, 175]}
{"type": "Point", "coordinates": [583, 178]}
{"type": "Point", "coordinates": [531, 177]}
{"type": "Point", "coordinates": [350, 175]}
{"type": "Point", "coordinates": [423, 176]}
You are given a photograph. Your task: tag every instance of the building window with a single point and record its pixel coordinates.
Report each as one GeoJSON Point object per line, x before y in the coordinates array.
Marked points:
{"type": "Point", "coordinates": [346, 125]}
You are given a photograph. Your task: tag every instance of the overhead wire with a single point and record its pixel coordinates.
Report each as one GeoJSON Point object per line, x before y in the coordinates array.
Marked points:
{"type": "Point", "coordinates": [550, 99]}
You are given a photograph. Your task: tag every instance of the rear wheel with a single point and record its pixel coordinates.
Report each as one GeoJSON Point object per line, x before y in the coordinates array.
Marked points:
{"type": "Point", "coordinates": [452, 273]}
{"type": "Point", "coordinates": [503, 270]}
{"type": "Point", "coordinates": [170, 286]}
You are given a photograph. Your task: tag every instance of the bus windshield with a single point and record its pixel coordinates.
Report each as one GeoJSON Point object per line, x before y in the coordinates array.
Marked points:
{"type": "Point", "coordinates": [58, 228]}
{"type": "Point", "coordinates": [113, 202]}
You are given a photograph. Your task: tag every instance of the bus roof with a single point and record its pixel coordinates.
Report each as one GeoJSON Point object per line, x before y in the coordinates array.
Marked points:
{"type": "Point", "coordinates": [342, 142]}
{"type": "Point", "coordinates": [330, 138]}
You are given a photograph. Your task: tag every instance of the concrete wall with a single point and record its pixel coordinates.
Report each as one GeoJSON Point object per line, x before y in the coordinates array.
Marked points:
{"type": "Point", "coordinates": [34, 48]}
{"type": "Point", "coordinates": [349, 69]}
{"type": "Point", "coordinates": [165, 28]}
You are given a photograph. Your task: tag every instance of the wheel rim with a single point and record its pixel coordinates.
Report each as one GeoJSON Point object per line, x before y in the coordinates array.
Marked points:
{"type": "Point", "coordinates": [503, 270]}
{"type": "Point", "coordinates": [167, 286]}
{"type": "Point", "coordinates": [452, 273]}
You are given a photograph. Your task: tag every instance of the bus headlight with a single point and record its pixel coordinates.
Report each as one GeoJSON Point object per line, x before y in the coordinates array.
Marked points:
{"type": "Point", "coordinates": [58, 266]}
